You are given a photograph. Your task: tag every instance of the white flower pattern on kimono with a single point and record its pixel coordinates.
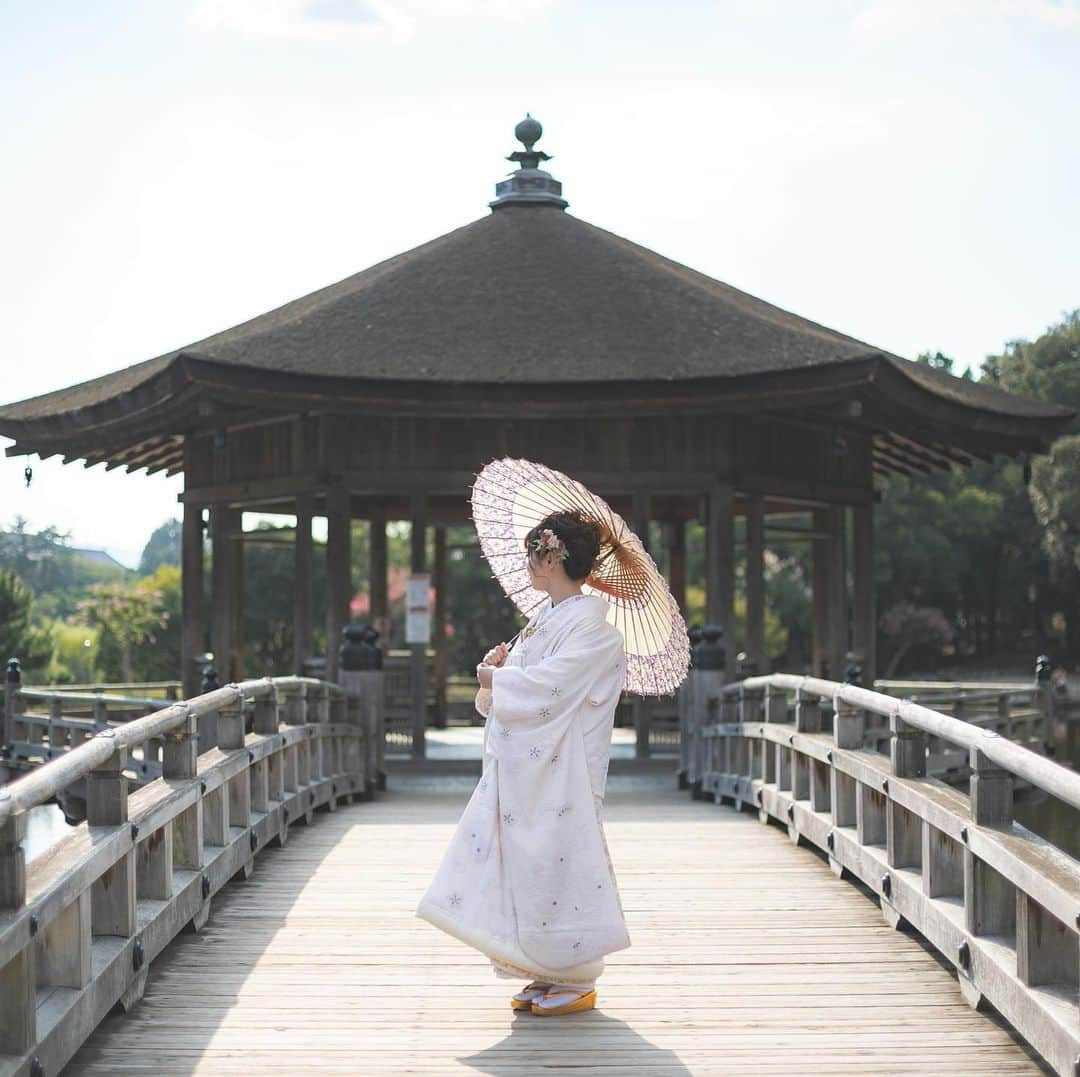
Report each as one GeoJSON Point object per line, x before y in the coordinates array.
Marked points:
{"type": "Point", "coordinates": [535, 752]}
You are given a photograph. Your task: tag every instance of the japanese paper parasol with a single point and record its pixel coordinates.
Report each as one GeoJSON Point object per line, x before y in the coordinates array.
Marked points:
{"type": "Point", "coordinates": [509, 497]}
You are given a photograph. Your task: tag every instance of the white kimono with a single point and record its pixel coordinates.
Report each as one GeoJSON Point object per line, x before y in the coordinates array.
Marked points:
{"type": "Point", "coordinates": [527, 879]}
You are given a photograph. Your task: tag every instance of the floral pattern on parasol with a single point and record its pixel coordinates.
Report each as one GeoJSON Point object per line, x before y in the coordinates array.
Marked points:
{"type": "Point", "coordinates": [510, 496]}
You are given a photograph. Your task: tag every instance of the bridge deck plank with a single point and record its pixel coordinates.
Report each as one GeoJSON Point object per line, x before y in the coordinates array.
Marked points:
{"type": "Point", "coordinates": [748, 956]}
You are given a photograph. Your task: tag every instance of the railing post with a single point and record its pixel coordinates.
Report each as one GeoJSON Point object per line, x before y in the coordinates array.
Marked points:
{"type": "Point", "coordinates": [18, 1026]}
{"type": "Point", "coordinates": [267, 717]}
{"type": "Point", "coordinates": [848, 726]}
{"type": "Point", "coordinates": [685, 711]}
{"type": "Point", "coordinates": [113, 893]}
{"type": "Point", "coordinates": [360, 674]}
{"type": "Point", "coordinates": [12, 684]}
{"type": "Point", "coordinates": [708, 674]}
{"type": "Point", "coordinates": [991, 791]}
{"type": "Point", "coordinates": [208, 722]}
{"type": "Point", "coordinates": [100, 711]}
{"type": "Point", "coordinates": [180, 762]}
{"type": "Point", "coordinates": [903, 829]}
{"type": "Point", "coordinates": [807, 712]}
{"type": "Point", "coordinates": [1045, 690]}
{"type": "Point", "coordinates": [230, 738]}
{"type": "Point", "coordinates": [907, 749]}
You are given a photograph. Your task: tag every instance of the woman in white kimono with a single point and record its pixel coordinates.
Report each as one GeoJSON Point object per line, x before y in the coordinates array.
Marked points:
{"type": "Point", "coordinates": [527, 878]}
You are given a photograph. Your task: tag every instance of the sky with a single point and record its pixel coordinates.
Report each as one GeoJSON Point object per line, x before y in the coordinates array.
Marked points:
{"type": "Point", "coordinates": [902, 171]}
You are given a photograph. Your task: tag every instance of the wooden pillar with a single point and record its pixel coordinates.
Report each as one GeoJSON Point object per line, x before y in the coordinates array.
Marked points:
{"type": "Point", "coordinates": [377, 572]}
{"type": "Point", "coordinates": [338, 572]}
{"type": "Point", "coordinates": [837, 588]}
{"type": "Point", "coordinates": [865, 598]}
{"type": "Point", "coordinates": [675, 538]}
{"type": "Point", "coordinates": [222, 592]}
{"type": "Point", "coordinates": [303, 577]}
{"type": "Point", "coordinates": [755, 583]}
{"type": "Point", "coordinates": [820, 588]}
{"type": "Point", "coordinates": [720, 566]}
{"type": "Point", "coordinates": [192, 606]}
{"type": "Point", "coordinates": [438, 628]}
{"type": "Point", "coordinates": [641, 706]}
{"type": "Point", "coordinates": [235, 552]}
{"type": "Point", "coordinates": [418, 665]}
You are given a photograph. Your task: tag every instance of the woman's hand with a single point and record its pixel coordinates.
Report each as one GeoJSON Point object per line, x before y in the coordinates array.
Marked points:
{"type": "Point", "coordinates": [483, 674]}
{"type": "Point", "coordinates": [497, 655]}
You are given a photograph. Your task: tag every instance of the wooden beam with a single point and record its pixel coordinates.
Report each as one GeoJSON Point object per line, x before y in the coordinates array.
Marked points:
{"type": "Point", "coordinates": [192, 605]}
{"type": "Point", "coordinates": [438, 627]}
{"type": "Point", "coordinates": [820, 589]}
{"type": "Point", "coordinates": [755, 584]}
{"type": "Point", "coordinates": [836, 552]}
{"type": "Point", "coordinates": [303, 581]}
{"type": "Point", "coordinates": [639, 706]}
{"type": "Point", "coordinates": [339, 590]}
{"type": "Point", "coordinates": [418, 664]}
{"type": "Point", "coordinates": [865, 598]}
{"type": "Point", "coordinates": [221, 593]}
{"type": "Point", "coordinates": [377, 576]}
{"type": "Point", "coordinates": [720, 566]}
{"type": "Point", "coordinates": [675, 537]}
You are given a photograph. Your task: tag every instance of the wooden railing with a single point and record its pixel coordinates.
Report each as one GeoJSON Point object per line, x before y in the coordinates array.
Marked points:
{"type": "Point", "coordinates": [999, 902]}
{"type": "Point", "coordinates": [81, 923]}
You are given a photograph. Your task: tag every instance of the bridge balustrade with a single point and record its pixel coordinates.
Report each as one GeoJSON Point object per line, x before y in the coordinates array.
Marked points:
{"type": "Point", "coordinates": [999, 902]}
{"type": "Point", "coordinates": [81, 923]}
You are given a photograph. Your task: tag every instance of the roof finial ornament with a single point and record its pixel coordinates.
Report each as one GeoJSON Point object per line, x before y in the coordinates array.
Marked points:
{"type": "Point", "coordinates": [529, 184]}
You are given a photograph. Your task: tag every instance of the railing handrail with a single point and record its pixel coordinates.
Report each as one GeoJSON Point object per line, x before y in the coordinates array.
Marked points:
{"type": "Point", "coordinates": [103, 686]}
{"type": "Point", "coordinates": [960, 686]}
{"type": "Point", "coordinates": [49, 694]}
{"type": "Point", "coordinates": [50, 778]}
{"type": "Point", "coordinates": [1051, 777]}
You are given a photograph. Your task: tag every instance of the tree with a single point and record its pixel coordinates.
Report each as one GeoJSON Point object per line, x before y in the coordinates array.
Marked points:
{"type": "Point", "coordinates": [1048, 368]}
{"type": "Point", "coordinates": [19, 638]}
{"type": "Point", "coordinates": [1044, 369]}
{"type": "Point", "coordinates": [126, 616]}
{"type": "Point", "coordinates": [162, 548]}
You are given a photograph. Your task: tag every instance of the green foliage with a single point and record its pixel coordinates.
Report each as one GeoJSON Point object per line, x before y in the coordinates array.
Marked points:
{"type": "Point", "coordinates": [1045, 369]}
{"type": "Point", "coordinates": [132, 616]}
{"type": "Point", "coordinates": [162, 548]}
{"type": "Point", "coordinates": [19, 637]}
{"type": "Point", "coordinates": [74, 656]}
{"type": "Point", "coordinates": [54, 572]}
{"type": "Point", "coordinates": [1055, 495]}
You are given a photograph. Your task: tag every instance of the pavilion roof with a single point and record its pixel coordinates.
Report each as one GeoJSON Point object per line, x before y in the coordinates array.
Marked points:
{"type": "Point", "coordinates": [527, 303]}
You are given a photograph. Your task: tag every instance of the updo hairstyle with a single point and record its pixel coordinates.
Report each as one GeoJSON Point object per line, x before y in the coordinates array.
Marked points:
{"type": "Point", "coordinates": [580, 535]}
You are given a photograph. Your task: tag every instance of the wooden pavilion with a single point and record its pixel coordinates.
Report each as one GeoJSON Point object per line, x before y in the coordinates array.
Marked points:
{"type": "Point", "coordinates": [529, 333]}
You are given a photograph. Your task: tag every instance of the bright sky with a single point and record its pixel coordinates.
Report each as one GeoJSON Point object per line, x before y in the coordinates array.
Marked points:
{"type": "Point", "coordinates": [902, 170]}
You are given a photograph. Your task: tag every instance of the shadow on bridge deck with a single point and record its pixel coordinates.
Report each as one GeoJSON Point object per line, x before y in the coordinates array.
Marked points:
{"type": "Point", "coordinates": [748, 956]}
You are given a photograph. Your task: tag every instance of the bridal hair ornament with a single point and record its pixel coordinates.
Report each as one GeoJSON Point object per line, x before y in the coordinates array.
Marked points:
{"type": "Point", "coordinates": [548, 542]}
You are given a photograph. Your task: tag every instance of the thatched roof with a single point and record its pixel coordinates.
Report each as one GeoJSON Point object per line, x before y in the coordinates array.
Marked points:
{"type": "Point", "coordinates": [518, 304]}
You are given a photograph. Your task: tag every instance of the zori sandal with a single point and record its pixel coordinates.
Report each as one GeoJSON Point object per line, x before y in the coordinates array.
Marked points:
{"type": "Point", "coordinates": [523, 1000]}
{"type": "Point", "coordinates": [563, 1000]}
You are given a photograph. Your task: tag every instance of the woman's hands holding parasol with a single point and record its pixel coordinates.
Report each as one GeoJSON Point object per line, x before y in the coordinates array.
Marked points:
{"type": "Point", "coordinates": [492, 660]}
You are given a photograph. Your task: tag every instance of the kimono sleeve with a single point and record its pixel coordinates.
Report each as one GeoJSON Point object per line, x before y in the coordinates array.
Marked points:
{"type": "Point", "coordinates": [558, 682]}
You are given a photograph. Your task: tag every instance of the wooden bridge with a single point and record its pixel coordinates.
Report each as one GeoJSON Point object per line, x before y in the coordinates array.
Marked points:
{"type": "Point", "coordinates": [947, 944]}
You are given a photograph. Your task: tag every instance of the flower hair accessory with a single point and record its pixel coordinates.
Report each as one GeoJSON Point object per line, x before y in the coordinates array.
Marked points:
{"type": "Point", "coordinates": [548, 542]}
